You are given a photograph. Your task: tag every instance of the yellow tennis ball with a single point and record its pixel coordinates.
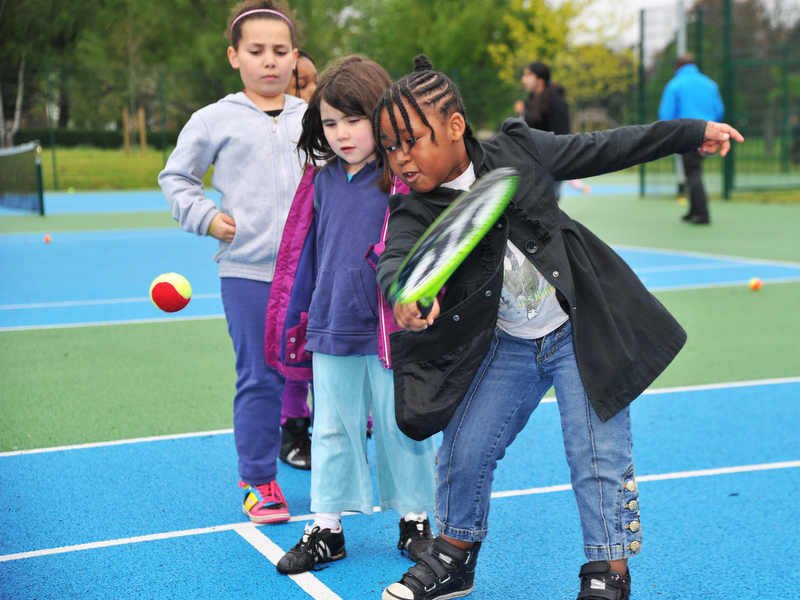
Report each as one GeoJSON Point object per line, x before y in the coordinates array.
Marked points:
{"type": "Point", "coordinates": [755, 284]}
{"type": "Point", "coordinates": [170, 292]}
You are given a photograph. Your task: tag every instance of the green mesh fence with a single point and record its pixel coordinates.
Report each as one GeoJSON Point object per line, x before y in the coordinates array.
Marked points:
{"type": "Point", "coordinates": [752, 50]}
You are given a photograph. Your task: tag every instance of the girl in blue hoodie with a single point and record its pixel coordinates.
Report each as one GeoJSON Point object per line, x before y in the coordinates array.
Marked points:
{"type": "Point", "coordinates": [350, 207]}
{"type": "Point", "coordinates": [250, 138]}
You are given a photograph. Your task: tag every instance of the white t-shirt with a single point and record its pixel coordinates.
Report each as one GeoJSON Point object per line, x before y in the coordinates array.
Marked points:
{"type": "Point", "coordinates": [529, 308]}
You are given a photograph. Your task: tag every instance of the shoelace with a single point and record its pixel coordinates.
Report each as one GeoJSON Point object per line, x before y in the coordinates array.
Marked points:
{"type": "Point", "coordinates": [315, 544]}
{"type": "Point", "coordinates": [266, 493]}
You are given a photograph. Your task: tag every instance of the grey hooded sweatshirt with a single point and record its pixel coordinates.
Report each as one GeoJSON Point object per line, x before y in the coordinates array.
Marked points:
{"type": "Point", "coordinates": [257, 170]}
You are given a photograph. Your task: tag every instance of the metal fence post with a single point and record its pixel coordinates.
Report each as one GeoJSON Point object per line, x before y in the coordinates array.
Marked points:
{"type": "Point", "coordinates": [698, 36]}
{"type": "Point", "coordinates": [163, 110]}
{"type": "Point", "coordinates": [50, 124]}
{"type": "Point", "coordinates": [785, 133]}
{"type": "Point", "coordinates": [642, 108]}
{"type": "Point", "coordinates": [729, 164]}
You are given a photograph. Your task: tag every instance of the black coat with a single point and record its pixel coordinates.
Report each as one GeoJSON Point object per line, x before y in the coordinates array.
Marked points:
{"type": "Point", "coordinates": [623, 336]}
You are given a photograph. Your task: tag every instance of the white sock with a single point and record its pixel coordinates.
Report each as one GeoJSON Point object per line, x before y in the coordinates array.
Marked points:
{"type": "Point", "coordinates": [418, 517]}
{"type": "Point", "coordinates": [328, 521]}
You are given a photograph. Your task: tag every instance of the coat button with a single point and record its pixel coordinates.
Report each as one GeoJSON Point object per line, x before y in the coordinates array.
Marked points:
{"type": "Point", "coordinates": [630, 486]}
{"type": "Point", "coordinates": [632, 506]}
{"type": "Point", "coordinates": [633, 526]}
{"type": "Point", "coordinates": [635, 546]}
{"type": "Point", "coordinates": [456, 317]}
{"type": "Point", "coordinates": [488, 293]}
{"type": "Point", "coordinates": [556, 273]}
{"type": "Point", "coordinates": [291, 340]}
{"type": "Point", "coordinates": [531, 247]}
{"type": "Point", "coordinates": [293, 355]}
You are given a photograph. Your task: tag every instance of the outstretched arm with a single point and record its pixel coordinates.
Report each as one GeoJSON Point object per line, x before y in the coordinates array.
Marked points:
{"type": "Point", "coordinates": [718, 137]}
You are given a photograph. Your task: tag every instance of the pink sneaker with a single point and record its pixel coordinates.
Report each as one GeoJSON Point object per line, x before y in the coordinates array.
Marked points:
{"type": "Point", "coordinates": [264, 503]}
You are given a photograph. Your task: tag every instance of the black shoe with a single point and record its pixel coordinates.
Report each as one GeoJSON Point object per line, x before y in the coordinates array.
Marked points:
{"type": "Point", "coordinates": [700, 220]}
{"type": "Point", "coordinates": [316, 547]}
{"type": "Point", "coordinates": [687, 217]}
{"type": "Point", "coordinates": [447, 572]}
{"type": "Point", "coordinates": [599, 582]}
{"type": "Point", "coordinates": [415, 538]}
{"type": "Point", "coordinates": [296, 443]}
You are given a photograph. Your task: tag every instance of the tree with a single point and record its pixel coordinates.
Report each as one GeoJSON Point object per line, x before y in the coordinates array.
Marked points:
{"type": "Point", "coordinates": [579, 49]}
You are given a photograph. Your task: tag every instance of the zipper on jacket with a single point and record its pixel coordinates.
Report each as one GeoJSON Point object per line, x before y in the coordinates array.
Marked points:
{"type": "Point", "coordinates": [274, 123]}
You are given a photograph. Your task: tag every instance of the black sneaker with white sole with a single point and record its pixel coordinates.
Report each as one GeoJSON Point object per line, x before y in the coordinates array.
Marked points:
{"type": "Point", "coordinates": [415, 538]}
{"type": "Point", "coordinates": [316, 547]}
{"type": "Point", "coordinates": [295, 448]}
{"type": "Point", "coordinates": [447, 572]}
{"type": "Point", "coordinates": [599, 582]}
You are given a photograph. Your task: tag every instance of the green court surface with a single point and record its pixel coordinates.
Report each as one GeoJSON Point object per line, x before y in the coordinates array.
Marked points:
{"type": "Point", "coordinates": [98, 383]}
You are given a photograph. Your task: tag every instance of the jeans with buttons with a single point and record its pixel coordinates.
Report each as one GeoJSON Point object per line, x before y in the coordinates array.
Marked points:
{"type": "Point", "coordinates": [515, 375]}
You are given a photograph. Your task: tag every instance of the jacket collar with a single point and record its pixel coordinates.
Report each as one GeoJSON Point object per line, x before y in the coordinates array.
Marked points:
{"type": "Point", "coordinates": [475, 153]}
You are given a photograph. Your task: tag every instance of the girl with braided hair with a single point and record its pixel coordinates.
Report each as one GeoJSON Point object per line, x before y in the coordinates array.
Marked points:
{"type": "Point", "coordinates": [478, 364]}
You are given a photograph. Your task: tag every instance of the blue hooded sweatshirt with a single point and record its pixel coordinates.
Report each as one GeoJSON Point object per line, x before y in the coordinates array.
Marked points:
{"type": "Point", "coordinates": [343, 315]}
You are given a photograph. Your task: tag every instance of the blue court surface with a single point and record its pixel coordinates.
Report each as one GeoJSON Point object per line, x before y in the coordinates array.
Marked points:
{"type": "Point", "coordinates": [718, 467]}
{"type": "Point", "coordinates": [159, 518]}
{"type": "Point", "coordinates": [105, 276]}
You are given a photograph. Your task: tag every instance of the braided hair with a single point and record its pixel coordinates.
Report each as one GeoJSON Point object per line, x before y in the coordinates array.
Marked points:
{"type": "Point", "coordinates": [427, 91]}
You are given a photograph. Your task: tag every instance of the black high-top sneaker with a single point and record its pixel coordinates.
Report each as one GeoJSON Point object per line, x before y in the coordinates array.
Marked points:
{"type": "Point", "coordinates": [415, 538]}
{"type": "Point", "coordinates": [447, 572]}
{"type": "Point", "coordinates": [295, 448]}
{"type": "Point", "coordinates": [599, 582]}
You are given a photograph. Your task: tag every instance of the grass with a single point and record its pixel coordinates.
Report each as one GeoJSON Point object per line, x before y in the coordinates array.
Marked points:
{"type": "Point", "coordinates": [88, 168]}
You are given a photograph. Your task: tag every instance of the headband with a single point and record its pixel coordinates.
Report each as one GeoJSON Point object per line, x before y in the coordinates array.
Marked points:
{"type": "Point", "coordinates": [263, 10]}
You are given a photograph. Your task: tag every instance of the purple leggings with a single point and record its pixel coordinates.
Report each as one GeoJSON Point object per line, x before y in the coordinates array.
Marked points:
{"type": "Point", "coordinates": [295, 400]}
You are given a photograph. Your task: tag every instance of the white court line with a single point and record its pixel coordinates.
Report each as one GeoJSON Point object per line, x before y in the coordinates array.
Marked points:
{"type": "Point", "coordinates": [270, 550]}
{"type": "Point", "coordinates": [681, 389]}
{"type": "Point", "coordinates": [727, 257]}
{"type": "Point", "coordinates": [103, 323]}
{"type": "Point", "coordinates": [68, 303]}
{"type": "Point", "coordinates": [792, 464]}
{"type": "Point", "coordinates": [157, 438]}
{"type": "Point", "coordinates": [307, 581]}
{"type": "Point", "coordinates": [721, 284]}
{"type": "Point", "coordinates": [682, 268]}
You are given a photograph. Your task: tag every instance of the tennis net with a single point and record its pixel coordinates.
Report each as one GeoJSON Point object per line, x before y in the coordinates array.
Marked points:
{"type": "Point", "coordinates": [21, 177]}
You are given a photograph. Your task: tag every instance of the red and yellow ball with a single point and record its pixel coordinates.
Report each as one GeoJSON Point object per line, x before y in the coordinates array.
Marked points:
{"type": "Point", "coordinates": [170, 292]}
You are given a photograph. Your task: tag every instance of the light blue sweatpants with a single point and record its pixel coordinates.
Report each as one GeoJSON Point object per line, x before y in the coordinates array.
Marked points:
{"type": "Point", "coordinates": [345, 388]}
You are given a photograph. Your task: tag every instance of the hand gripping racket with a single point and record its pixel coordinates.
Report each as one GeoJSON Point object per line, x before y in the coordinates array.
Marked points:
{"type": "Point", "coordinates": [450, 238]}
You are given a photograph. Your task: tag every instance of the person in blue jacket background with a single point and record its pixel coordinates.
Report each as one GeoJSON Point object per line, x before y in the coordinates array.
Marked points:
{"type": "Point", "coordinates": [692, 95]}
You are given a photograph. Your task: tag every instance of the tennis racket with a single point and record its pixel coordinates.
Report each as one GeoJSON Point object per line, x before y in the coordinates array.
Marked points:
{"type": "Point", "coordinates": [450, 238]}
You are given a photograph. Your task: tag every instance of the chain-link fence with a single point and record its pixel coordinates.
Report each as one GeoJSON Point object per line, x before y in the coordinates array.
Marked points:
{"type": "Point", "coordinates": [751, 48]}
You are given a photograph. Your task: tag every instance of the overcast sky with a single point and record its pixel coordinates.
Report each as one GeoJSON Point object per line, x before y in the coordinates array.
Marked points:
{"type": "Point", "coordinates": [629, 11]}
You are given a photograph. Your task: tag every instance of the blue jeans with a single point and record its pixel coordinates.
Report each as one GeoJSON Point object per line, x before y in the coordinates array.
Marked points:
{"type": "Point", "coordinates": [508, 387]}
{"type": "Point", "coordinates": [345, 388]}
{"type": "Point", "coordinates": [257, 403]}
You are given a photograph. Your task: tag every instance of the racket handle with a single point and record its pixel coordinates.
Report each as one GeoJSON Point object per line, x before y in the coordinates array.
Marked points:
{"type": "Point", "coordinates": [425, 305]}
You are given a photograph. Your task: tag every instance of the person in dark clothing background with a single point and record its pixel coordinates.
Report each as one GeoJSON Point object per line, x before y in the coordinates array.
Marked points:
{"type": "Point", "coordinates": [546, 107]}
